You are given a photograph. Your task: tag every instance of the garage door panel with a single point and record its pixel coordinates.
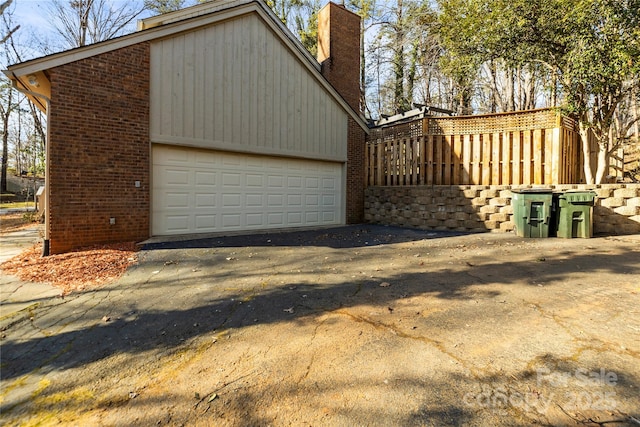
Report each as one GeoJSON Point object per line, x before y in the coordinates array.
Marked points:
{"type": "Point", "coordinates": [312, 217]}
{"type": "Point", "coordinates": [328, 216]}
{"type": "Point", "coordinates": [231, 200]}
{"type": "Point", "coordinates": [205, 162]}
{"type": "Point", "coordinates": [233, 161]}
{"type": "Point", "coordinates": [176, 177]}
{"type": "Point", "coordinates": [177, 200]}
{"type": "Point", "coordinates": [178, 224]}
{"type": "Point", "coordinates": [294, 182]}
{"type": "Point", "coordinates": [254, 180]}
{"type": "Point", "coordinates": [255, 163]}
{"type": "Point", "coordinates": [294, 200]}
{"type": "Point", "coordinates": [231, 179]}
{"type": "Point", "coordinates": [172, 155]}
{"type": "Point", "coordinates": [312, 183]}
{"type": "Point", "coordinates": [328, 201]}
{"type": "Point", "coordinates": [254, 201]}
{"type": "Point", "coordinates": [231, 221]}
{"type": "Point", "coordinates": [275, 219]}
{"type": "Point", "coordinates": [197, 191]}
{"type": "Point", "coordinates": [329, 184]}
{"type": "Point", "coordinates": [294, 218]}
{"type": "Point", "coordinates": [254, 219]}
{"type": "Point", "coordinates": [205, 201]}
{"type": "Point", "coordinates": [275, 200]}
{"type": "Point", "coordinates": [206, 222]}
{"type": "Point", "coordinates": [205, 178]}
{"type": "Point", "coordinates": [275, 181]}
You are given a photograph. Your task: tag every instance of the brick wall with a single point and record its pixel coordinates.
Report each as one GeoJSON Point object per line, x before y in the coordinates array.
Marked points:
{"type": "Point", "coordinates": [339, 54]}
{"type": "Point", "coordinates": [339, 51]}
{"type": "Point", "coordinates": [355, 173]}
{"type": "Point", "coordinates": [98, 149]}
{"type": "Point", "coordinates": [479, 208]}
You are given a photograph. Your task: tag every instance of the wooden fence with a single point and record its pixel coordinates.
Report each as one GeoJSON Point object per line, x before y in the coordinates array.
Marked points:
{"type": "Point", "coordinates": [531, 147]}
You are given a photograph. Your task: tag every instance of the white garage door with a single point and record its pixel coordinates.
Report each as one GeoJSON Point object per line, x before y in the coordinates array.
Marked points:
{"type": "Point", "coordinates": [196, 191]}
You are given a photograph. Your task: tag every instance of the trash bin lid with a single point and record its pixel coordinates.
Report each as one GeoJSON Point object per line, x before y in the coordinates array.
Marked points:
{"type": "Point", "coordinates": [577, 196]}
{"type": "Point", "coordinates": [533, 191]}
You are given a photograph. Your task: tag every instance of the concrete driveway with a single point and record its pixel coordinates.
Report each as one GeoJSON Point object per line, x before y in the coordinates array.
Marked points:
{"type": "Point", "coordinates": [360, 325]}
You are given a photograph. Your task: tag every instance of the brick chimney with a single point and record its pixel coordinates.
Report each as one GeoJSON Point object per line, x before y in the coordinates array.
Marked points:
{"type": "Point", "coordinates": [339, 51]}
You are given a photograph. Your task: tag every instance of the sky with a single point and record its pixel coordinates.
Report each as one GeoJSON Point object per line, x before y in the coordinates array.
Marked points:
{"type": "Point", "coordinates": [34, 13]}
{"type": "Point", "coordinates": [31, 13]}
{"type": "Point", "coordinates": [35, 24]}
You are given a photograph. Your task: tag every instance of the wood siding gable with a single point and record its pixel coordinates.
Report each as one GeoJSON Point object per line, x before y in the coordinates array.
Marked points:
{"type": "Point", "coordinates": [235, 86]}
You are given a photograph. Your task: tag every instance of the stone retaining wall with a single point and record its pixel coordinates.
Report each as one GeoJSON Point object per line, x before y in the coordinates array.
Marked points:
{"type": "Point", "coordinates": [479, 208]}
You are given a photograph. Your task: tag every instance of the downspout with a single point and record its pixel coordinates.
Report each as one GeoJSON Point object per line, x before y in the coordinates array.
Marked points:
{"type": "Point", "coordinates": [14, 84]}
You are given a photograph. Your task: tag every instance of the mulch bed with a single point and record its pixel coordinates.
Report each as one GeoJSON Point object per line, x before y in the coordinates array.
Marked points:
{"type": "Point", "coordinates": [73, 271]}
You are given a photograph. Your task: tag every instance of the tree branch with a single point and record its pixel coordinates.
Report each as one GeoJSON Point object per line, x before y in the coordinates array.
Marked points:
{"type": "Point", "coordinates": [8, 36]}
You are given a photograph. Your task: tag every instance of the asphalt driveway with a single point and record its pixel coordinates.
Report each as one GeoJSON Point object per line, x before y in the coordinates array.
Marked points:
{"type": "Point", "coordinates": [360, 325]}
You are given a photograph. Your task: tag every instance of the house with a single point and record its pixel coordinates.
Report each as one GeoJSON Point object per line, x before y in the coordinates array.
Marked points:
{"type": "Point", "coordinates": [211, 119]}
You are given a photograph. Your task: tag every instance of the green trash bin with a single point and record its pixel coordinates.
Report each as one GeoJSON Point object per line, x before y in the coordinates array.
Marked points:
{"type": "Point", "coordinates": [532, 212]}
{"type": "Point", "coordinates": [575, 217]}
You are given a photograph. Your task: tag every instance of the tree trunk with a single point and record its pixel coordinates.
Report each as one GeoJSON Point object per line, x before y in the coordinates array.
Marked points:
{"type": "Point", "coordinates": [6, 113]}
{"type": "Point", "coordinates": [586, 154]}
{"type": "Point", "coordinates": [603, 162]}
{"type": "Point", "coordinates": [495, 96]}
{"type": "Point", "coordinates": [510, 95]}
{"type": "Point", "coordinates": [522, 91]}
{"type": "Point", "coordinates": [399, 101]}
{"type": "Point", "coordinates": [19, 144]}
{"type": "Point", "coordinates": [5, 155]}
{"type": "Point", "coordinates": [636, 115]}
{"type": "Point", "coordinates": [532, 89]}
{"type": "Point", "coordinates": [411, 74]}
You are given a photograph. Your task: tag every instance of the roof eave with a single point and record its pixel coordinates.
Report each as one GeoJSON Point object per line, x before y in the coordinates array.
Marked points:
{"type": "Point", "coordinates": [40, 65]}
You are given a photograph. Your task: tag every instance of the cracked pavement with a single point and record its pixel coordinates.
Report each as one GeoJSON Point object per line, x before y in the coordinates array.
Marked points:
{"type": "Point", "coordinates": [358, 325]}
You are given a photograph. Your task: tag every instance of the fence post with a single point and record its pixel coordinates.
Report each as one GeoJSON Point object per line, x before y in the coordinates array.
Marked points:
{"type": "Point", "coordinates": [429, 159]}
{"type": "Point", "coordinates": [422, 164]}
{"type": "Point", "coordinates": [457, 159]}
{"type": "Point", "coordinates": [517, 158]}
{"type": "Point", "coordinates": [379, 163]}
{"type": "Point", "coordinates": [506, 158]}
{"type": "Point", "coordinates": [477, 160]}
{"type": "Point", "coordinates": [556, 155]}
{"type": "Point", "coordinates": [466, 157]}
{"type": "Point", "coordinates": [537, 156]}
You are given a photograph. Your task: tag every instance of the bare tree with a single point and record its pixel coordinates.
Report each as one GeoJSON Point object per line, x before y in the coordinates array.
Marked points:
{"type": "Point", "coordinates": [7, 101]}
{"type": "Point", "coordinates": [17, 125]}
{"type": "Point", "coordinates": [7, 105]}
{"type": "Point", "coordinates": [82, 22]}
{"type": "Point", "coordinates": [3, 7]}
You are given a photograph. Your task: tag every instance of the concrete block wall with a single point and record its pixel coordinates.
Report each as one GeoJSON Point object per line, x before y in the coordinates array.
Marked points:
{"type": "Point", "coordinates": [477, 208]}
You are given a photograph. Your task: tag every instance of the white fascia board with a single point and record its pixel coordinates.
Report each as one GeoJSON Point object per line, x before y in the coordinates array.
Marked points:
{"type": "Point", "coordinates": [77, 54]}
{"type": "Point", "coordinates": [188, 12]}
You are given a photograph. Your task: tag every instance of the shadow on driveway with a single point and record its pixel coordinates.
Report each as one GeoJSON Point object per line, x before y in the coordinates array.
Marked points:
{"type": "Point", "coordinates": [140, 327]}
{"type": "Point", "coordinates": [352, 236]}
